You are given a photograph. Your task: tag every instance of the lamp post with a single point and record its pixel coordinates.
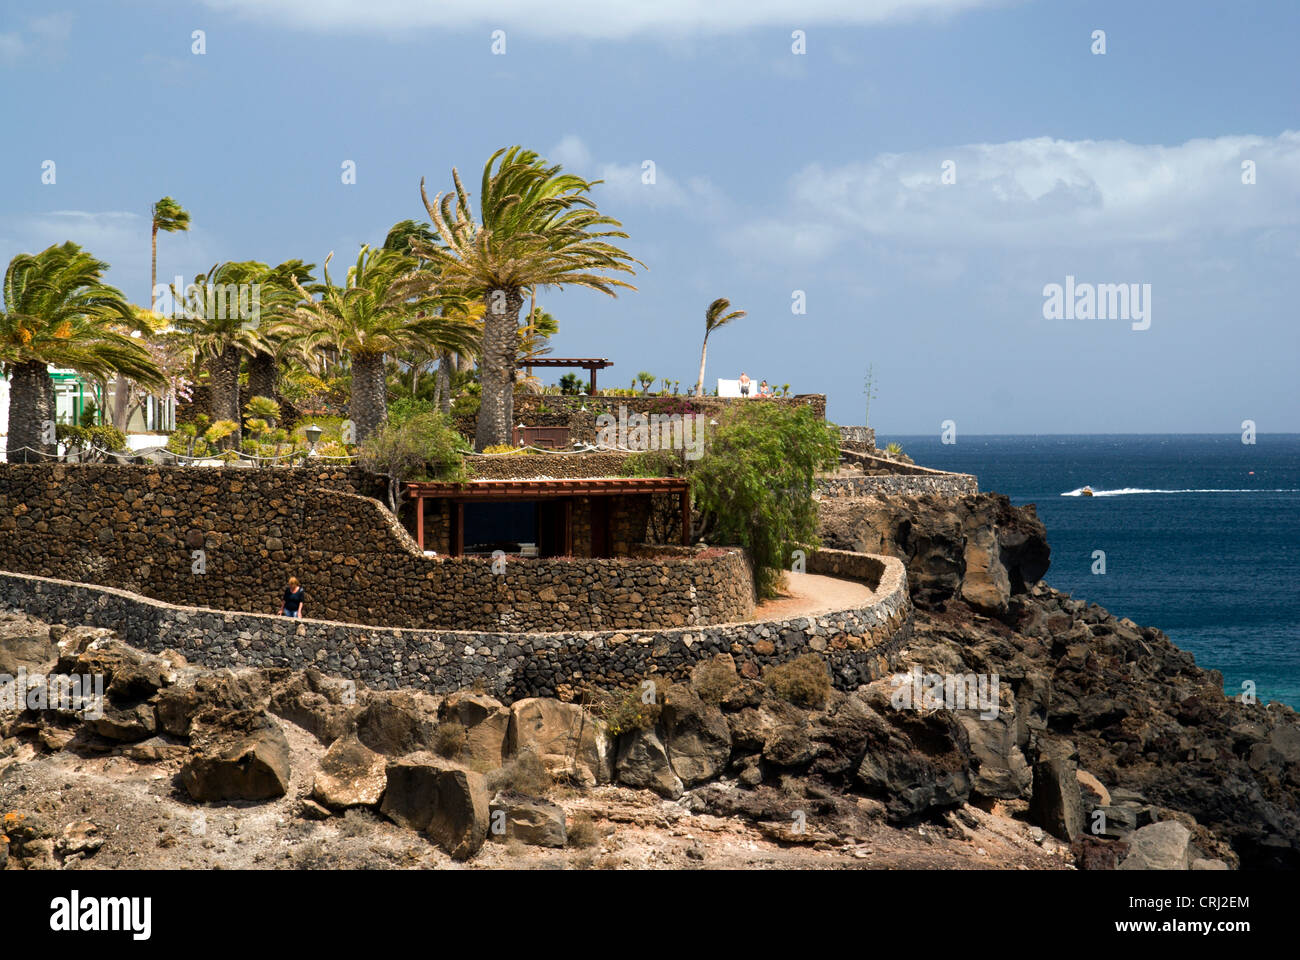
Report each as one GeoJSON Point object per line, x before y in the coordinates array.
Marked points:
{"type": "Point", "coordinates": [313, 437]}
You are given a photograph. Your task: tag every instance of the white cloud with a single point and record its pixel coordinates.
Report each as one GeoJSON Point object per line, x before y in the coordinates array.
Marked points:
{"type": "Point", "coordinates": [589, 18]}
{"type": "Point", "coordinates": [45, 35]}
{"type": "Point", "coordinates": [119, 238]}
{"type": "Point", "coordinates": [1040, 192]}
{"type": "Point", "coordinates": [625, 183]}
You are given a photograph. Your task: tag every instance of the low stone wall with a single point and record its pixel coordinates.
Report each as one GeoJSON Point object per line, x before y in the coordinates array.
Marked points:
{"type": "Point", "coordinates": [860, 645]}
{"type": "Point", "coordinates": [848, 565]}
{"type": "Point", "coordinates": [885, 476]}
{"type": "Point", "coordinates": [230, 538]}
{"type": "Point", "coordinates": [556, 466]}
{"type": "Point", "coordinates": [858, 438]}
{"type": "Point", "coordinates": [550, 410]}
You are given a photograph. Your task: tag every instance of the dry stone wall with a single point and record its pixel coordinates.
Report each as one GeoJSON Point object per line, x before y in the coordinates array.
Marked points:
{"type": "Point", "coordinates": [230, 537]}
{"type": "Point", "coordinates": [859, 644]}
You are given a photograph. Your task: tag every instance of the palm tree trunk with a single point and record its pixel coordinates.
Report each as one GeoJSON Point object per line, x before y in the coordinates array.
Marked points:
{"type": "Point", "coordinates": [223, 392]}
{"type": "Point", "coordinates": [31, 409]}
{"type": "Point", "coordinates": [699, 384]}
{"type": "Point", "coordinates": [262, 375]}
{"type": "Point", "coordinates": [500, 343]}
{"type": "Point", "coordinates": [153, 268]}
{"type": "Point", "coordinates": [444, 382]}
{"type": "Point", "coordinates": [368, 407]}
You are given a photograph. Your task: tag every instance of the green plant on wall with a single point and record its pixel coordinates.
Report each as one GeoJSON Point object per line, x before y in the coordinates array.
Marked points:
{"type": "Point", "coordinates": [425, 447]}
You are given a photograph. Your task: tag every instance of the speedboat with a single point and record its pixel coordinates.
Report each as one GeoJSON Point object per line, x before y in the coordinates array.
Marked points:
{"type": "Point", "coordinates": [1086, 491]}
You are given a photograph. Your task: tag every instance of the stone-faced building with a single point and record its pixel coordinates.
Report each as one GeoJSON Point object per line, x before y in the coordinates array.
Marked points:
{"type": "Point", "coordinates": [574, 517]}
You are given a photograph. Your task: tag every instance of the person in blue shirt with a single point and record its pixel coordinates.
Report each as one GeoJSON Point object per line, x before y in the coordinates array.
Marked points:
{"type": "Point", "coordinates": [291, 605]}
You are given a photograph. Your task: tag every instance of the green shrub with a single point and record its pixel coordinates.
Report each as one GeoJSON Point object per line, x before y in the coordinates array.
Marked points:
{"type": "Point", "coordinates": [426, 447]}
{"type": "Point", "coordinates": [91, 443]}
{"type": "Point", "coordinates": [624, 712]}
{"type": "Point", "coordinates": [753, 487]}
{"type": "Point", "coordinates": [805, 680]}
{"type": "Point", "coordinates": [263, 408]}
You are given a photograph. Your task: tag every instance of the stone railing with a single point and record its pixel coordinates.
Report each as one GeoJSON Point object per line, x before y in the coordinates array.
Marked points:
{"type": "Point", "coordinates": [859, 644]}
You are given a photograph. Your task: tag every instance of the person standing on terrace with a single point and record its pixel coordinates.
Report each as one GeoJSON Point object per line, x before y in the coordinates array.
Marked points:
{"type": "Point", "coordinates": [744, 383]}
{"type": "Point", "coordinates": [291, 605]}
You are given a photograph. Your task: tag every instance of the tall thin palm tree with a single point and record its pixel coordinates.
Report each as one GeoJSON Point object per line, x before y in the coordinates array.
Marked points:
{"type": "Point", "coordinates": [714, 317]}
{"type": "Point", "coordinates": [386, 306]}
{"type": "Point", "coordinates": [537, 227]}
{"type": "Point", "coordinates": [167, 215]}
{"type": "Point", "coordinates": [58, 311]}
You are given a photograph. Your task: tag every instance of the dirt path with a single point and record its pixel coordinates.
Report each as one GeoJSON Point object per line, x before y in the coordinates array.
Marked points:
{"type": "Point", "coordinates": [810, 593]}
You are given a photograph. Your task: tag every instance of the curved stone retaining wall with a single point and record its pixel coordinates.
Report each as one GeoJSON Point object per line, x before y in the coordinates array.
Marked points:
{"type": "Point", "coordinates": [859, 644]}
{"type": "Point", "coordinates": [230, 537]}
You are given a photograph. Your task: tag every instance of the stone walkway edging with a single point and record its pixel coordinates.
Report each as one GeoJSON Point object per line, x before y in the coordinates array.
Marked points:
{"type": "Point", "coordinates": [858, 643]}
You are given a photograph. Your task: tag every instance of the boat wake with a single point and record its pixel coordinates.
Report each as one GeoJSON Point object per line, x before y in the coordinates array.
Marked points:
{"type": "Point", "coordinates": [1126, 491]}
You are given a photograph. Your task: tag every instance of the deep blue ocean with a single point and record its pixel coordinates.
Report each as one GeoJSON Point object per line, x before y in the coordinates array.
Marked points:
{"type": "Point", "coordinates": [1201, 535]}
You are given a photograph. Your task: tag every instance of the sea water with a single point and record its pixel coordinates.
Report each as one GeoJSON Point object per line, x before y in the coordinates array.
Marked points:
{"type": "Point", "coordinates": [1200, 535]}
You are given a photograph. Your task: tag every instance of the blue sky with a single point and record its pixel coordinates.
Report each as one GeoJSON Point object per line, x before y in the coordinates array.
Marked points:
{"type": "Point", "coordinates": [775, 172]}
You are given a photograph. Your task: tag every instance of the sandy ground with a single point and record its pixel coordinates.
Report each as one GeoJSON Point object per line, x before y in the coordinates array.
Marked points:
{"type": "Point", "coordinates": [810, 593]}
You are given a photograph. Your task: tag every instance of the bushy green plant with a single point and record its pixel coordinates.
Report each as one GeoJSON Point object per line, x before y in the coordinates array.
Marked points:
{"type": "Point", "coordinates": [753, 487]}
{"type": "Point", "coordinates": [570, 384]}
{"type": "Point", "coordinates": [404, 408]}
{"type": "Point", "coordinates": [219, 431]}
{"type": "Point", "coordinates": [89, 413]}
{"type": "Point", "coordinates": [624, 712]}
{"type": "Point", "coordinates": [263, 408]}
{"type": "Point", "coordinates": [90, 443]}
{"type": "Point", "coordinates": [426, 447]}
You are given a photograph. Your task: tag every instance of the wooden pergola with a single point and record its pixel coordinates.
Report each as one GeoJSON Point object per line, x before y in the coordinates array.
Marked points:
{"type": "Point", "coordinates": [458, 494]}
{"type": "Point", "coordinates": [591, 365]}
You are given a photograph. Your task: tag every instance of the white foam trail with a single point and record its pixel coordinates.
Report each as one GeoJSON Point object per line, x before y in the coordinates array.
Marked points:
{"type": "Point", "coordinates": [1126, 491]}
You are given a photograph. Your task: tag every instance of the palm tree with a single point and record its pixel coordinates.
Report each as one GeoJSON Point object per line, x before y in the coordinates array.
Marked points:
{"type": "Point", "coordinates": [537, 227]}
{"type": "Point", "coordinates": [58, 311]}
{"type": "Point", "coordinates": [386, 306]}
{"type": "Point", "coordinates": [166, 215]}
{"type": "Point", "coordinates": [221, 338]}
{"type": "Point", "coordinates": [714, 317]}
{"type": "Point", "coordinates": [169, 216]}
{"type": "Point", "coordinates": [277, 296]}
